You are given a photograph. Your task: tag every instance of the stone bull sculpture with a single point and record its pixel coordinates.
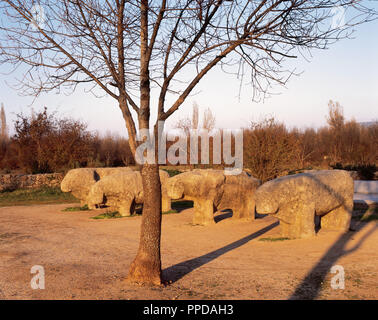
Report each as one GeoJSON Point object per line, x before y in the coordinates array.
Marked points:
{"type": "Point", "coordinates": [79, 181]}
{"type": "Point", "coordinates": [212, 190]}
{"type": "Point", "coordinates": [295, 200]}
{"type": "Point", "coordinates": [123, 190]}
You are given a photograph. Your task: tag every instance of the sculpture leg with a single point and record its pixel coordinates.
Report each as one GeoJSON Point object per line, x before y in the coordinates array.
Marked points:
{"type": "Point", "coordinates": [292, 229]}
{"type": "Point", "coordinates": [306, 222]}
{"type": "Point", "coordinates": [165, 204]}
{"type": "Point", "coordinates": [297, 221]}
{"type": "Point", "coordinates": [246, 209]}
{"type": "Point", "coordinates": [338, 219]}
{"type": "Point", "coordinates": [246, 212]}
{"type": "Point", "coordinates": [249, 212]}
{"type": "Point", "coordinates": [124, 208]}
{"type": "Point", "coordinates": [203, 212]}
{"type": "Point", "coordinates": [236, 213]}
{"type": "Point", "coordinates": [90, 204]}
{"type": "Point", "coordinates": [286, 231]}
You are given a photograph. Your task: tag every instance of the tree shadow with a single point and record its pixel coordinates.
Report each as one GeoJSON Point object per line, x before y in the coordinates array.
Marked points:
{"type": "Point", "coordinates": [178, 271]}
{"type": "Point", "coordinates": [311, 285]}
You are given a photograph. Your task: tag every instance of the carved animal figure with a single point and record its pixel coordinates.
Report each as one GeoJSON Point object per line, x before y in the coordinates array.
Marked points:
{"type": "Point", "coordinates": [79, 181]}
{"type": "Point", "coordinates": [123, 190]}
{"type": "Point", "coordinates": [212, 190]}
{"type": "Point", "coordinates": [295, 200]}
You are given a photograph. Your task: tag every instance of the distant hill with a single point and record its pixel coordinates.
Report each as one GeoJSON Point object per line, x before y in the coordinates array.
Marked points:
{"type": "Point", "coordinates": [368, 123]}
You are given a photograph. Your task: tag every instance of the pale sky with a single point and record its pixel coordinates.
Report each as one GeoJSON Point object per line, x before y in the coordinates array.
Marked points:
{"type": "Point", "coordinates": [347, 73]}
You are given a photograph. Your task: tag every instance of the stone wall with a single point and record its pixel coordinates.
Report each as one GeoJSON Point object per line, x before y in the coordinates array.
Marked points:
{"type": "Point", "coordinates": [9, 182]}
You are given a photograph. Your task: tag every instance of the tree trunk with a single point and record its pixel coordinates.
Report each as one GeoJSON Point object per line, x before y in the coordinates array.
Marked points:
{"type": "Point", "coordinates": [146, 268]}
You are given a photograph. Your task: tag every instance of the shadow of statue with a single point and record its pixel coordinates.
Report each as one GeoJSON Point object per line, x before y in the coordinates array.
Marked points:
{"type": "Point", "coordinates": [181, 205]}
{"type": "Point", "coordinates": [178, 271]}
{"type": "Point", "coordinates": [311, 285]}
{"type": "Point", "coordinates": [226, 214]}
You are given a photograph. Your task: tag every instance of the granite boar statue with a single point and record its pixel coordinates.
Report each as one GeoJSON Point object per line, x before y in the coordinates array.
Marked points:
{"type": "Point", "coordinates": [239, 196]}
{"type": "Point", "coordinates": [79, 181]}
{"type": "Point", "coordinates": [123, 190]}
{"type": "Point", "coordinates": [212, 190]}
{"type": "Point", "coordinates": [295, 200]}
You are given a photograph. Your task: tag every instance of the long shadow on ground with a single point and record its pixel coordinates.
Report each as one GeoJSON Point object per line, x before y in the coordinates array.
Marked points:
{"type": "Point", "coordinates": [178, 271]}
{"type": "Point", "coordinates": [311, 285]}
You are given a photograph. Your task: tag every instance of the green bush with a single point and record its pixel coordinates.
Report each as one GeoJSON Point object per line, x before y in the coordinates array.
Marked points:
{"type": "Point", "coordinates": [108, 215]}
{"type": "Point", "coordinates": [172, 172]}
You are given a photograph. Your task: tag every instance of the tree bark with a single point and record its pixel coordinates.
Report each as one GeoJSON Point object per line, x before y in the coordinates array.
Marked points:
{"type": "Point", "coordinates": [146, 268]}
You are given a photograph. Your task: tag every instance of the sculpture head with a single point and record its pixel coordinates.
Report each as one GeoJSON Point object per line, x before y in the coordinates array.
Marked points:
{"type": "Point", "coordinates": [66, 184]}
{"type": "Point", "coordinates": [265, 202]}
{"type": "Point", "coordinates": [175, 188]}
{"type": "Point", "coordinates": [78, 182]}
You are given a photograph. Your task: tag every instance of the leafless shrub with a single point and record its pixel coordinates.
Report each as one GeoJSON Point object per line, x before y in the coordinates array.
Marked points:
{"type": "Point", "coordinates": [113, 150]}
{"type": "Point", "coordinates": [269, 149]}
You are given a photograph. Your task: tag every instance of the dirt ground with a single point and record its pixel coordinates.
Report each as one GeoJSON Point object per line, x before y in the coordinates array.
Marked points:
{"type": "Point", "coordinates": [85, 258]}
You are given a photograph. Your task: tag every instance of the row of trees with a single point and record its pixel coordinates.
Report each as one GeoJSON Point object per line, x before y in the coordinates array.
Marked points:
{"type": "Point", "coordinates": [271, 149]}
{"type": "Point", "coordinates": [45, 143]}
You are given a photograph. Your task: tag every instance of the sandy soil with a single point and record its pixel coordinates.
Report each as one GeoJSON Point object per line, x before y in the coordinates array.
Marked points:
{"type": "Point", "coordinates": [85, 258]}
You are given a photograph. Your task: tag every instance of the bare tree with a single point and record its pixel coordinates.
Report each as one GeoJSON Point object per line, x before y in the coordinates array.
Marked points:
{"type": "Point", "coordinates": [189, 126]}
{"type": "Point", "coordinates": [3, 125]}
{"type": "Point", "coordinates": [186, 124]}
{"type": "Point", "coordinates": [208, 122]}
{"type": "Point", "coordinates": [4, 138]}
{"type": "Point", "coordinates": [126, 48]}
{"type": "Point", "coordinates": [335, 118]}
{"type": "Point", "coordinates": [195, 116]}
{"type": "Point", "coordinates": [304, 147]}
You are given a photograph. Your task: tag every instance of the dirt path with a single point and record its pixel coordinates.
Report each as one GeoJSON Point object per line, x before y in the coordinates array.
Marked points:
{"type": "Point", "coordinates": [85, 258]}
